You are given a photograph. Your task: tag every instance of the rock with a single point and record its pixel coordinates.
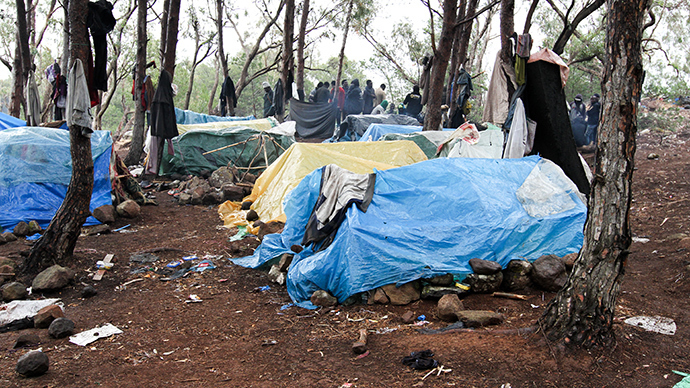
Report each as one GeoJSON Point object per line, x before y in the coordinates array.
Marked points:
{"type": "Point", "coordinates": [8, 262]}
{"type": "Point", "coordinates": [9, 237]}
{"type": "Point", "coordinates": [569, 260]}
{"type": "Point", "coordinates": [128, 209]}
{"type": "Point", "coordinates": [429, 291]}
{"type": "Point", "coordinates": [21, 229]}
{"type": "Point", "coordinates": [53, 278]}
{"type": "Point", "coordinates": [407, 293]}
{"type": "Point", "coordinates": [653, 156]}
{"type": "Point", "coordinates": [232, 193]}
{"type": "Point", "coordinates": [276, 275]}
{"type": "Point", "coordinates": [220, 177]}
{"type": "Point", "coordinates": [479, 318]}
{"type": "Point", "coordinates": [104, 214]}
{"type": "Point", "coordinates": [285, 261]}
{"type": "Point", "coordinates": [246, 205]}
{"type": "Point", "coordinates": [88, 292]}
{"type": "Point", "coordinates": [676, 236]}
{"type": "Point", "coordinates": [296, 248]}
{"type": "Point", "coordinates": [380, 297]}
{"type": "Point", "coordinates": [14, 291]}
{"type": "Point", "coordinates": [516, 276]}
{"type": "Point", "coordinates": [441, 280]}
{"type": "Point", "coordinates": [184, 198]}
{"type": "Point", "coordinates": [249, 177]}
{"type": "Point", "coordinates": [33, 363]}
{"type": "Point", "coordinates": [6, 269]}
{"type": "Point", "coordinates": [61, 328]}
{"type": "Point", "coordinates": [47, 315]}
{"type": "Point", "coordinates": [448, 308]}
{"type": "Point", "coordinates": [269, 228]}
{"type": "Point", "coordinates": [34, 228]}
{"type": "Point", "coordinates": [252, 215]}
{"type": "Point", "coordinates": [212, 197]}
{"type": "Point", "coordinates": [323, 298]}
{"type": "Point", "coordinates": [197, 194]}
{"type": "Point", "coordinates": [408, 317]}
{"type": "Point", "coordinates": [684, 243]}
{"type": "Point", "coordinates": [2, 239]}
{"type": "Point", "coordinates": [485, 267]}
{"type": "Point", "coordinates": [26, 340]}
{"type": "Point", "coordinates": [98, 229]}
{"type": "Point", "coordinates": [548, 272]}
{"type": "Point", "coordinates": [483, 284]}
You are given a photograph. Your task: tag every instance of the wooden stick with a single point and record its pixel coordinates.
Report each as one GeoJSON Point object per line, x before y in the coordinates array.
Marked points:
{"type": "Point", "coordinates": [509, 295]}
{"type": "Point", "coordinates": [360, 346]}
{"type": "Point", "coordinates": [99, 274]}
{"type": "Point", "coordinates": [228, 146]}
{"type": "Point", "coordinates": [7, 274]}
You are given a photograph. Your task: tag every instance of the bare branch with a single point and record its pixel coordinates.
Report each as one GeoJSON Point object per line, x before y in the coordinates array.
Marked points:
{"type": "Point", "coordinates": [481, 11]}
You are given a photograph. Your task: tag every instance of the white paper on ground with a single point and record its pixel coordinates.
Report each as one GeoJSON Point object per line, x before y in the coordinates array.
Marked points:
{"type": "Point", "coordinates": [661, 325]}
{"type": "Point", "coordinates": [20, 309]}
{"type": "Point", "coordinates": [86, 337]}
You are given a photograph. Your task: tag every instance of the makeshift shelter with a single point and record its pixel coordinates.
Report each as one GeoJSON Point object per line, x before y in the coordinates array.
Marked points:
{"type": "Point", "coordinates": [314, 121]}
{"type": "Point", "coordinates": [354, 126]}
{"type": "Point", "coordinates": [35, 170]}
{"type": "Point", "coordinates": [490, 145]}
{"type": "Point", "coordinates": [302, 158]}
{"type": "Point", "coordinates": [7, 121]}
{"type": "Point", "coordinates": [427, 141]}
{"type": "Point", "coordinates": [246, 148]}
{"type": "Point", "coordinates": [190, 117]}
{"type": "Point", "coordinates": [257, 124]}
{"type": "Point", "coordinates": [429, 219]}
{"type": "Point", "coordinates": [376, 130]}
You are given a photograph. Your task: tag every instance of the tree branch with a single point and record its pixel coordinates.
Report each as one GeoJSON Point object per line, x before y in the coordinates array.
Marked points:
{"type": "Point", "coordinates": [481, 11]}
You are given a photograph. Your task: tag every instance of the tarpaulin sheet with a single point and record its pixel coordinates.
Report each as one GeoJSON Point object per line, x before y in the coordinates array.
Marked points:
{"type": "Point", "coordinates": [427, 141]}
{"type": "Point", "coordinates": [245, 149]}
{"type": "Point", "coordinates": [376, 130]}
{"type": "Point", "coordinates": [302, 158]}
{"type": "Point", "coordinates": [314, 121]}
{"type": "Point", "coordinates": [258, 124]}
{"type": "Point", "coordinates": [35, 170]}
{"type": "Point", "coordinates": [190, 117]}
{"type": "Point", "coordinates": [490, 145]}
{"type": "Point", "coordinates": [429, 219]}
{"type": "Point", "coordinates": [7, 121]}
{"type": "Point", "coordinates": [354, 126]}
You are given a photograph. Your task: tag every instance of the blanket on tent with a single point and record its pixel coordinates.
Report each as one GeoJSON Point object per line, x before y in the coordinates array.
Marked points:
{"type": "Point", "coordinates": [35, 170]}
{"type": "Point", "coordinates": [314, 121]}
{"type": "Point", "coordinates": [190, 117]}
{"type": "Point", "coordinates": [354, 126]}
{"type": "Point", "coordinates": [428, 219]}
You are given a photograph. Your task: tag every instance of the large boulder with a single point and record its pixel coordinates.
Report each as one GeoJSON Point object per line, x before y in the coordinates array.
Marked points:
{"type": "Point", "coordinates": [9, 236]}
{"type": "Point", "coordinates": [33, 363]}
{"type": "Point", "coordinates": [52, 278]}
{"type": "Point", "coordinates": [21, 229]}
{"type": "Point", "coordinates": [104, 214]}
{"type": "Point", "coordinates": [220, 177]}
{"type": "Point", "coordinates": [270, 228]}
{"type": "Point", "coordinates": [405, 294]}
{"type": "Point", "coordinates": [484, 284]}
{"type": "Point", "coordinates": [128, 209]}
{"type": "Point", "coordinates": [485, 267]}
{"type": "Point", "coordinates": [34, 228]}
{"type": "Point", "coordinates": [429, 291]}
{"type": "Point", "coordinates": [14, 291]}
{"type": "Point", "coordinates": [448, 308]}
{"type": "Point", "coordinates": [516, 276]}
{"type": "Point", "coordinates": [380, 297]}
{"type": "Point", "coordinates": [479, 318]}
{"type": "Point", "coordinates": [549, 273]}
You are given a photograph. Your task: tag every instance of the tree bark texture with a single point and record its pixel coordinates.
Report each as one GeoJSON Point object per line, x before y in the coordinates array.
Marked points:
{"type": "Point", "coordinates": [164, 29]}
{"type": "Point", "coordinates": [299, 78]}
{"type": "Point", "coordinates": [453, 69]}
{"type": "Point", "coordinates": [432, 120]}
{"type": "Point", "coordinates": [60, 238]}
{"type": "Point", "coordinates": [219, 28]}
{"type": "Point", "coordinates": [139, 130]}
{"type": "Point", "coordinates": [507, 27]}
{"type": "Point", "coordinates": [287, 62]}
{"type": "Point", "coordinates": [17, 97]}
{"type": "Point", "coordinates": [582, 312]}
{"type": "Point", "coordinates": [212, 98]}
{"type": "Point", "coordinates": [171, 37]}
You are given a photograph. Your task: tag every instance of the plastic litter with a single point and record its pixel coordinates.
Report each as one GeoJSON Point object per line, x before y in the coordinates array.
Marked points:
{"type": "Point", "coordinates": [203, 266]}
{"type": "Point", "coordinates": [286, 306]}
{"type": "Point", "coordinates": [656, 324]}
{"type": "Point", "coordinates": [174, 264]}
{"type": "Point", "coordinates": [86, 337]}
{"type": "Point", "coordinates": [194, 298]}
{"type": "Point", "coordinates": [421, 360]}
{"type": "Point", "coordinates": [241, 233]}
{"type": "Point", "coordinates": [189, 258]}
{"type": "Point", "coordinates": [421, 317]}
{"type": "Point", "coordinates": [122, 228]}
{"type": "Point", "coordinates": [641, 240]}
{"type": "Point", "coordinates": [100, 264]}
{"type": "Point", "coordinates": [685, 383]}
{"type": "Point", "coordinates": [20, 309]}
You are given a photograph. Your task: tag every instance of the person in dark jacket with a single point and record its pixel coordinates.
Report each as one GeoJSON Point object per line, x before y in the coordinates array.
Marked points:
{"type": "Point", "coordinates": [368, 97]}
{"type": "Point", "coordinates": [269, 109]}
{"type": "Point", "coordinates": [228, 101]}
{"type": "Point", "coordinates": [413, 102]}
{"type": "Point", "coordinates": [322, 94]}
{"type": "Point", "coordinates": [353, 99]}
{"type": "Point", "coordinates": [593, 112]}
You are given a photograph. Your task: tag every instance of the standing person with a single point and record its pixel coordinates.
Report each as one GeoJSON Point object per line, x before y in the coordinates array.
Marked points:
{"type": "Point", "coordinates": [312, 95]}
{"type": "Point", "coordinates": [380, 94]}
{"type": "Point", "coordinates": [342, 91]}
{"type": "Point", "coordinates": [353, 99]}
{"type": "Point", "coordinates": [578, 109]}
{"type": "Point", "coordinates": [269, 107]}
{"type": "Point", "coordinates": [593, 118]}
{"type": "Point", "coordinates": [228, 101]}
{"type": "Point", "coordinates": [413, 103]}
{"type": "Point", "coordinates": [163, 123]}
{"type": "Point", "coordinates": [322, 94]}
{"type": "Point", "coordinates": [368, 97]}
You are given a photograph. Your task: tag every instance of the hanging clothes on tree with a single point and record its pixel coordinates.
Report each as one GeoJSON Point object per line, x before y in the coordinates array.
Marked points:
{"type": "Point", "coordinates": [279, 98]}
{"type": "Point", "coordinates": [425, 78]}
{"type": "Point", "coordinates": [163, 122]}
{"type": "Point", "coordinates": [100, 21]}
{"type": "Point", "coordinates": [227, 96]}
{"type": "Point", "coordinates": [78, 102]}
{"type": "Point", "coordinates": [524, 46]}
{"type": "Point", "coordinates": [33, 102]}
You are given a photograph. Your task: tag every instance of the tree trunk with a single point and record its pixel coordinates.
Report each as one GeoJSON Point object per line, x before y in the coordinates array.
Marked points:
{"type": "Point", "coordinates": [139, 131]}
{"type": "Point", "coordinates": [221, 49]}
{"type": "Point", "coordinates": [582, 312]}
{"type": "Point", "coordinates": [453, 69]}
{"type": "Point", "coordinates": [299, 78]}
{"type": "Point", "coordinates": [432, 120]}
{"type": "Point", "coordinates": [60, 238]}
{"type": "Point", "coordinates": [341, 56]}
{"type": "Point", "coordinates": [164, 29]}
{"type": "Point", "coordinates": [171, 37]}
{"type": "Point", "coordinates": [65, 38]}
{"type": "Point", "coordinates": [287, 62]}
{"type": "Point", "coordinates": [17, 97]}
{"type": "Point", "coordinates": [25, 53]}
{"type": "Point", "coordinates": [212, 98]}
{"type": "Point", "coordinates": [507, 28]}
{"type": "Point", "coordinates": [190, 85]}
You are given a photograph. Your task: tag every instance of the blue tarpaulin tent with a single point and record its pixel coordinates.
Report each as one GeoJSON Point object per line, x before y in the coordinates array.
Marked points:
{"type": "Point", "coordinates": [7, 121]}
{"type": "Point", "coordinates": [35, 170]}
{"type": "Point", "coordinates": [190, 117]}
{"type": "Point", "coordinates": [430, 218]}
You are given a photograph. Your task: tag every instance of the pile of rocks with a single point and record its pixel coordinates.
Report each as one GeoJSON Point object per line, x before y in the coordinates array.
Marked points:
{"type": "Point", "coordinates": [223, 184]}
{"type": "Point", "coordinates": [22, 229]}
{"type": "Point", "coordinates": [51, 279]}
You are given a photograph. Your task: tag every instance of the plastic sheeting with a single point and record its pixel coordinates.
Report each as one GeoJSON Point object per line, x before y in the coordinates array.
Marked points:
{"type": "Point", "coordinates": [302, 158]}
{"type": "Point", "coordinates": [490, 145]}
{"type": "Point", "coordinates": [314, 121]}
{"type": "Point", "coordinates": [375, 130]}
{"type": "Point", "coordinates": [428, 219]}
{"type": "Point", "coordinates": [245, 148]}
{"type": "Point", "coordinates": [258, 124]}
{"type": "Point", "coordinates": [427, 141]}
{"type": "Point", "coordinates": [354, 126]}
{"type": "Point", "coordinates": [35, 170]}
{"type": "Point", "coordinates": [190, 117]}
{"type": "Point", "coordinates": [7, 121]}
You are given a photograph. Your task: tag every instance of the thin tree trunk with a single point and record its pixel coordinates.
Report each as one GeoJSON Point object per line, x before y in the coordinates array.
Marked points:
{"type": "Point", "coordinates": [453, 69]}
{"type": "Point", "coordinates": [17, 97]}
{"type": "Point", "coordinates": [215, 87]}
{"type": "Point", "coordinates": [65, 38]}
{"type": "Point", "coordinates": [221, 49]}
{"type": "Point", "coordinates": [24, 51]}
{"type": "Point", "coordinates": [190, 86]}
{"type": "Point", "coordinates": [341, 56]}
{"type": "Point", "coordinates": [287, 59]}
{"type": "Point", "coordinates": [299, 78]}
{"type": "Point", "coordinates": [60, 238]}
{"type": "Point", "coordinates": [507, 28]}
{"type": "Point", "coordinates": [432, 120]}
{"type": "Point", "coordinates": [570, 27]}
{"type": "Point", "coordinates": [164, 30]}
{"type": "Point", "coordinates": [171, 37]}
{"type": "Point", "coordinates": [582, 312]}
{"type": "Point", "coordinates": [530, 13]}
{"type": "Point", "coordinates": [139, 131]}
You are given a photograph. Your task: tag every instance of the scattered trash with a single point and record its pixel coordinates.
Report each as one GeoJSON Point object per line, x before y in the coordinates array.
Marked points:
{"type": "Point", "coordinates": [269, 342]}
{"type": "Point", "coordinates": [421, 318]}
{"type": "Point", "coordinates": [86, 337]}
{"type": "Point", "coordinates": [124, 285]}
{"type": "Point", "coordinates": [506, 385]}
{"type": "Point", "coordinates": [189, 258]}
{"type": "Point", "coordinates": [100, 264]}
{"type": "Point", "coordinates": [20, 309]}
{"type": "Point", "coordinates": [656, 324]}
{"type": "Point", "coordinates": [261, 289]}
{"type": "Point", "coordinates": [685, 383]}
{"type": "Point", "coordinates": [122, 228]}
{"type": "Point", "coordinates": [177, 274]}
{"type": "Point", "coordinates": [222, 280]}
{"type": "Point", "coordinates": [33, 237]}
{"type": "Point", "coordinates": [174, 264]}
{"type": "Point", "coordinates": [104, 264]}
{"type": "Point", "coordinates": [193, 298]}
{"type": "Point", "coordinates": [534, 306]}
{"type": "Point", "coordinates": [203, 266]}
{"type": "Point", "coordinates": [385, 330]}
{"type": "Point", "coordinates": [438, 371]}
{"type": "Point", "coordinates": [241, 233]}
{"type": "Point", "coordinates": [452, 326]}
{"type": "Point", "coordinates": [286, 306]}
{"type": "Point", "coordinates": [421, 360]}
{"type": "Point", "coordinates": [421, 323]}
{"type": "Point", "coordinates": [143, 258]}
{"type": "Point", "coordinates": [362, 355]}
{"type": "Point", "coordinates": [642, 240]}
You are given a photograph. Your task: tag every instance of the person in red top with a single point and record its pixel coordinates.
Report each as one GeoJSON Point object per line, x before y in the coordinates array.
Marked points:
{"type": "Point", "coordinates": [339, 102]}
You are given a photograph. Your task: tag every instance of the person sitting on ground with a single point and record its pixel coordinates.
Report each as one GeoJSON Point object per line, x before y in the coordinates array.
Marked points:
{"type": "Point", "coordinates": [368, 97]}
{"type": "Point", "coordinates": [380, 108]}
{"type": "Point", "coordinates": [322, 94]}
{"type": "Point", "coordinates": [413, 102]}
{"type": "Point", "coordinates": [269, 108]}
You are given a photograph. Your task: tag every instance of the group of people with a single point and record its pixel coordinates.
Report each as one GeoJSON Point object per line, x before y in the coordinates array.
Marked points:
{"type": "Point", "coordinates": [587, 115]}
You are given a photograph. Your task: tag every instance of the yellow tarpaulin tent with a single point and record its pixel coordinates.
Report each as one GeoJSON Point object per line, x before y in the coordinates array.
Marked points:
{"type": "Point", "coordinates": [258, 124]}
{"type": "Point", "coordinates": [300, 159]}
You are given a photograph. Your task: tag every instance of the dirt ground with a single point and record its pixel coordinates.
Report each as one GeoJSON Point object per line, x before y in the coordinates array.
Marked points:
{"type": "Point", "coordinates": [240, 336]}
